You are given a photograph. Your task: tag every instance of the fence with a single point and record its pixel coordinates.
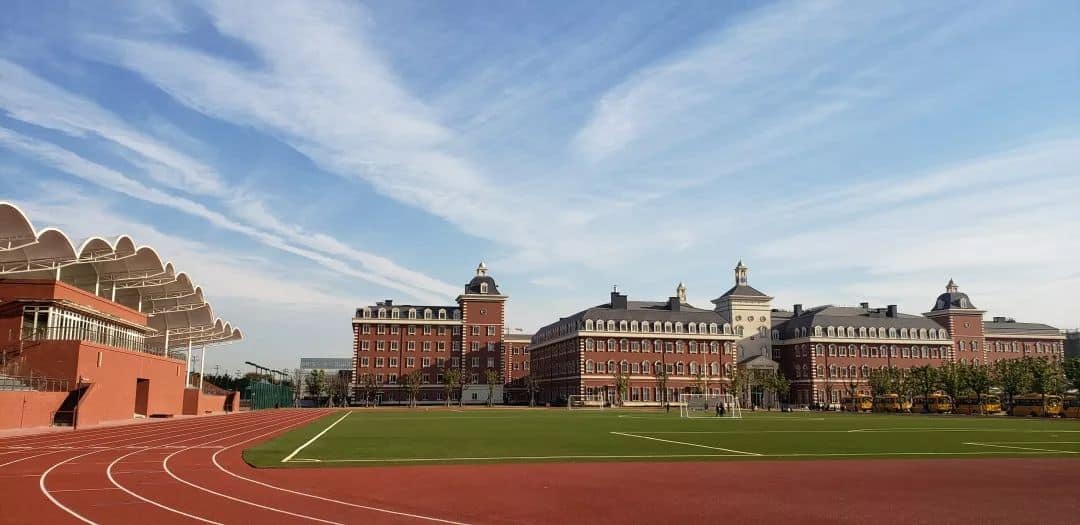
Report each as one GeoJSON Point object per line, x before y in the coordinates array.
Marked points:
{"type": "Point", "coordinates": [268, 395]}
{"type": "Point", "coordinates": [36, 383]}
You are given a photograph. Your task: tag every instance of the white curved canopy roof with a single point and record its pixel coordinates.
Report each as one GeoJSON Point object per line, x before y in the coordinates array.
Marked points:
{"type": "Point", "coordinates": [121, 271]}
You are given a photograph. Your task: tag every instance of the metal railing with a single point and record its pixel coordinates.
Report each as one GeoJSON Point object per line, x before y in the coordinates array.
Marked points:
{"type": "Point", "coordinates": [33, 383]}
{"type": "Point", "coordinates": [93, 335]}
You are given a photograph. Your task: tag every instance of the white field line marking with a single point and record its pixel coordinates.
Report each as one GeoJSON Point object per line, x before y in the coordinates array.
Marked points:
{"type": "Point", "coordinates": [685, 443]}
{"type": "Point", "coordinates": [667, 456]}
{"type": "Point", "coordinates": [165, 465]}
{"type": "Point", "coordinates": [109, 473]}
{"type": "Point", "coordinates": [214, 459]}
{"type": "Point", "coordinates": [1021, 448]}
{"type": "Point", "coordinates": [317, 436]}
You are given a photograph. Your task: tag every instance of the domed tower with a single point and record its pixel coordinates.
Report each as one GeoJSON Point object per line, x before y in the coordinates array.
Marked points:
{"type": "Point", "coordinates": [483, 316]}
{"type": "Point", "coordinates": [750, 313]}
{"type": "Point", "coordinates": [680, 292]}
{"type": "Point", "coordinates": [955, 311]}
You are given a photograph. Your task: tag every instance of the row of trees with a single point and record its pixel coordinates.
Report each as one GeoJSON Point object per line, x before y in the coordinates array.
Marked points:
{"type": "Point", "coordinates": [454, 382]}
{"type": "Point", "coordinates": [1010, 377]}
{"type": "Point", "coordinates": [329, 389]}
{"type": "Point", "coordinates": [741, 381]}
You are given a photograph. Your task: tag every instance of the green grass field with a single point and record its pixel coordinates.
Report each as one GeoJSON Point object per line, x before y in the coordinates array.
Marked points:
{"type": "Point", "coordinates": [425, 436]}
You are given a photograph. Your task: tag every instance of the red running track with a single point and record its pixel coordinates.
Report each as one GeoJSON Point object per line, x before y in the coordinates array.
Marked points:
{"type": "Point", "coordinates": [191, 471]}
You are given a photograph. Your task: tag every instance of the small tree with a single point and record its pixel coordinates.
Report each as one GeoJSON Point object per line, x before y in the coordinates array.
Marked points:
{"type": "Point", "coordinates": [782, 387]}
{"type": "Point", "coordinates": [851, 388]}
{"type": "Point", "coordinates": [451, 382]}
{"type": "Point", "coordinates": [951, 378]}
{"type": "Point", "coordinates": [661, 384]}
{"type": "Point", "coordinates": [491, 377]}
{"type": "Point", "coordinates": [1013, 376]}
{"type": "Point", "coordinates": [532, 386]}
{"type": "Point", "coordinates": [740, 381]}
{"type": "Point", "coordinates": [622, 384]}
{"type": "Point", "coordinates": [977, 379]}
{"type": "Point", "coordinates": [1071, 370]}
{"type": "Point", "coordinates": [368, 385]}
{"type": "Point", "coordinates": [316, 385]}
{"type": "Point", "coordinates": [699, 381]}
{"type": "Point", "coordinates": [924, 381]}
{"type": "Point", "coordinates": [338, 389]}
{"type": "Point", "coordinates": [882, 382]}
{"type": "Point", "coordinates": [413, 381]}
{"type": "Point", "coordinates": [1046, 377]}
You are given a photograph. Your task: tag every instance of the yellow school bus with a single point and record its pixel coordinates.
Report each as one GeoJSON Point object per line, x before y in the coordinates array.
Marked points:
{"type": "Point", "coordinates": [936, 403]}
{"type": "Point", "coordinates": [990, 404]}
{"type": "Point", "coordinates": [859, 403]}
{"type": "Point", "coordinates": [1071, 407]}
{"type": "Point", "coordinates": [891, 403]}
{"type": "Point", "coordinates": [1032, 405]}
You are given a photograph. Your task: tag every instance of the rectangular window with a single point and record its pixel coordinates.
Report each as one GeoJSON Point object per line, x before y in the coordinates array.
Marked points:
{"type": "Point", "coordinates": [427, 346]}
{"type": "Point", "coordinates": [392, 362]}
{"type": "Point", "coordinates": [393, 346]}
{"type": "Point", "coordinates": [378, 362]}
{"type": "Point", "coordinates": [395, 329]}
{"type": "Point", "coordinates": [668, 347]}
{"type": "Point", "coordinates": [364, 361]}
{"type": "Point", "coordinates": [427, 329]}
{"type": "Point", "coordinates": [455, 362]}
{"type": "Point", "coordinates": [491, 362]}
{"type": "Point", "coordinates": [475, 330]}
{"type": "Point", "coordinates": [380, 346]}
{"type": "Point", "coordinates": [392, 379]}
{"type": "Point", "coordinates": [411, 346]}
{"type": "Point", "coordinates": [381, 329]}
{"type": "Point", "coordinates": [457, 330]}
{"type": "Point", "coordinates": [365, 329]}
{"type": "Point", "coordinates": [412, 329]}
{"type": "Point", "coordinates": [426, 362]}
{"type": "Point", "coordinates": [410, 362]}
{"type": "Point", "coordinates": [365, 345]}
{"type": "Point", "coordinates": [442, 330]}
{"type": "Point", "coordinates": [440, 362]}
{"type": "Point", "coordinates": [455, 346]}
{"type": "Point", "coordinates": [475, 346]}
{"type": "Point", "coordinates": [491, 330]}
{"type": "Point", "coordinates": [491, 347]}
{"type": "Point", "coordinates": [442, 346]}
{"type": "Point", "coordinates": [379, 378]}
{"type": "Point", "coordinates": [475, 362]}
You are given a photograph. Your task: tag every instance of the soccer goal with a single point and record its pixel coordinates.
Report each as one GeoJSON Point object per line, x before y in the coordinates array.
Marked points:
{"type": "Point", "coordinates": [710, 405]}
{"type": "Point", "coordinates": [594, 402]}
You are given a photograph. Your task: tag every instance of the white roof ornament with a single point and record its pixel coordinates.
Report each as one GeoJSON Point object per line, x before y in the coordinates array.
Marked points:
{"type": "Point", "coordinates": [481, 270]}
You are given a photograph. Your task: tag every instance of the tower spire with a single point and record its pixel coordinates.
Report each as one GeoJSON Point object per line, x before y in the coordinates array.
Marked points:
{"type": "Point", "coordinates": [952, 287]}
{"type": "Point", "coordinates": [741, 272]}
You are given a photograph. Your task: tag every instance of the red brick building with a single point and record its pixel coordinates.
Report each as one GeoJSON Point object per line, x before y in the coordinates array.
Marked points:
{"type": "Point", "coordinates": [823, 349]}
{"type": "Point", "coordinates": [391, 340]}
{"type": "Point", "coordinates": [579, 354]}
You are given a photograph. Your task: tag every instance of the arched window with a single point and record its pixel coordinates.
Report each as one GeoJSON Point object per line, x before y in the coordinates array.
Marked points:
{"type": "Point", "coordinates": [667, 327]}
{"type": "Point", "coordinates": [589, 344]}
{"type": "Point", "coordinates": [633, 326]}
{"type": "Point", "coordinates": [680, 368]}
{"type": "Point", "coordinates": [382, 313]}
{"type": "Point", "coordinates": [922, 333]}
{"type": "Point", "coordinates": [611, 367]}
{"type": "Point", "coordinates": [427, 313]}
{"type": "Point", "coordinates": [693, 368]}
{"type": "Point", "coordinates": [646, 368]}
{"type": "Point", "coordinates": [830, 331]}
{"type": "Point", "coordinates": [589, 324]}
{"type": "Point", "coordinates": [600, 346]}
{"type": "Point", "coordinates": [862, 331]}
{"type": "Point", "coordinates": [624, 345]}
{"type": "Point", "coordinates": [645, 326]}
{"type": "Point", "coordinates": [727, 369]}
{"type": "Point", "coordinates": [442, 314]}
{"type": "Point", "coordinates": [611, 326]}
{"type": "Point", "coordinates": [820, 371]}
{"type": "Point", "coordinates": [739, 330]}
{"type": "Point", "coordinates": [590, 366]}
{"type": "Point", "coordinates": [817, 331]}
{"type": "Point", "coordinates": [691, 328]}
{"type": "Point", "coordinates": [657, 367]}
{"type": "Point", "coordinates": [611, 345]}
{"type": "Point", "coordinates": [625, 366]}
{"type": "Point", "coordinates": [693, 347]}
{"type": "Point", "coordinates": [457, 314]}
{"type": "Point", "coordinates": [635, 368]}
{"type": "Point", "coordinates": [727, 328]}
{"type": "Point", "coordinates": [851, 371]}
{"type": "Point", "coordinates": [367, 312]}
{"type": "Point", "coordinates": [623, 326]}
{"type": "Point", "coordinates": [714, 347]}
{"type": "Point", "coordinates": [714, 369]}
{"type": "Point", "coordinates": [873, 332]}
{"type": "Point", "coordinates": [903, 333]}
{"type": "Point", "coordinates": [645, 346]}
{"type": "Point", "coordinates": [892, 333]}
{"type": "Point", "coordinates": [712, 328]}
{"type": "Point", "coordinates": [395, 314]}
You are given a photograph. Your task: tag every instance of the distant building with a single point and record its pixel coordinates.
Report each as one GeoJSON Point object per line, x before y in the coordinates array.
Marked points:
{"type": "Point", "coordinates": [1072, 343]}
{"type": "Point", "coordinates": [391, 340]}
{"type": "Point", "coordinates": [341, 366]}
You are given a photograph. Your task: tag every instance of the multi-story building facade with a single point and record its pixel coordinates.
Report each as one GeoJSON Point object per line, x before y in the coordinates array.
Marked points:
{"type": "Point", "coordinates": [825, 349]}
{"type": "Point", "coordinates": [515, 369]}
{"type": "Point", "coordinates": [697, 348]}
{"type": "Point", "coordinates": [391, 340]}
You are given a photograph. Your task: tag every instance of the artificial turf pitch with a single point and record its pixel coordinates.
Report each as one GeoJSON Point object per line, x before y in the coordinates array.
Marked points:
{"type": "Point", "coordinates": [490, 435]}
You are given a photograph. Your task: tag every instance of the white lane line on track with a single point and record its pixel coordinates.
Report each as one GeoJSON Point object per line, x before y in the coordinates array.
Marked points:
{"type": "Point", "coordinates": [687, 444]}
{"type": "Point", "coordinates": [214, 458]}
{"type": "Point", "coordinates": [165, 465]}
{"type": "Point", "coordinates": [109, 474]}
{"type": "Point", "coordinates": [316, 437]}
{"type": "Point", "coordinates": [112, 480]}
{"type": "Point", "coordinates": [44, 475]}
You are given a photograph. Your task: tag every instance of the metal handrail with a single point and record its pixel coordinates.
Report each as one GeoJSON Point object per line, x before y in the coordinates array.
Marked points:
{"type": "Point", "coordinates": [100, 336]}
{"type": "Point", "coordinates": [35, 383]}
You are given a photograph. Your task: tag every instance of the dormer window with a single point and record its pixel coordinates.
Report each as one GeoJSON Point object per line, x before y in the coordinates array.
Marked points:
{"type": "Point", "coordinates": [483, 287]}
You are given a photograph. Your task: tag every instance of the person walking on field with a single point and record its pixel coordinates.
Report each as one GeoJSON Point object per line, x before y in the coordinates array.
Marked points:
{"type": "Point", "coordinates": [722, 409]}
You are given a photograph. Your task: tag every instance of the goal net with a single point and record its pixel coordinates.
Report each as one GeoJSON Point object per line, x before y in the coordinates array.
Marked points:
{"type": "Point", "coordinates": [710, 405]}
{"type": "Point", "coordinates": [594, 402]}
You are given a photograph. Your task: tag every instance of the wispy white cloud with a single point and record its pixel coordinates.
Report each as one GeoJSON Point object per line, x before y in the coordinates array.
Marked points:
{"type": "Point", "coordinates": [73, 164]}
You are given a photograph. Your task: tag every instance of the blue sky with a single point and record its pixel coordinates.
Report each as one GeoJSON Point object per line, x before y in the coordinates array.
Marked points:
{"type": "Point", "coordinates": [302, 158]}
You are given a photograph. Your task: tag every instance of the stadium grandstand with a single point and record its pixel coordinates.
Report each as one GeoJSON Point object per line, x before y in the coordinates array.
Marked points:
{"type": "Point", "coordinates": [99, 332]}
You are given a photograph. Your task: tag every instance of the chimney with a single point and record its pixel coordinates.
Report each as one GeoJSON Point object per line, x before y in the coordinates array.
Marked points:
{"type": "Point", "coordinates": [618, 301]}
{"type": "Point", "coordinates": [798, 310]}
{"type": "Point", "coordinates": [890, 311]}
{"type": "Point", "coordinates": [864, 306]}
{"type": "Point", "coordinates": [388, 302]}
{"type": "Point", "coordinates": [673, 304]}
